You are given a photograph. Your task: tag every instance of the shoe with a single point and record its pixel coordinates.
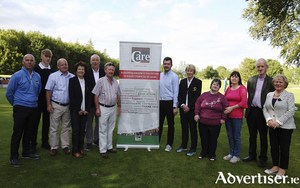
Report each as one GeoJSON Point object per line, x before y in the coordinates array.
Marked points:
{"type": "Point", "coordinates": [67, 150]}
{"type": "Point", "coordinates": [33, 149]}
{"type": "Point", "coordinates": [31, 156]}
{"type": "Point", "coordinates": [82, 153]}
{"type": "Point", "coordinates": [180, 149]}
{"type": "Point", "coordinates": [112, 151]}
{"type": "Point", "coordinates": [227, 157]}
{"type": "Point", "coordinates": [104, 155]}
{"type": "Point", "coordinates": [201, 156]}
{"type": "Point", "coordinates": [267, 171]}
{"type": "Point", "coordinates": [168, 148]}
{"type": "Point", "coordinates": [53, 152]}
{"type": "Point", "coordinates": [96, 143]}
{"type": "Point", "coordinates": [279, 177]}
{"type": "Point", "coordinates": [190, 152]}
{"type": "Point", "coordinates": [234, 159]}
{"type": "Point", "coordinates": [247, 159]}
{"type": "Point", "coordinates": [46, 146]}
{"type": "Point", "coordinates": [78, 155]}
{"type": "Point", "coordinates": [212, 159]}
{"type": "Point", "coordinates": [88, 147]}
{"type": "Point", "coordinates": [262, 163]}
{"type": "Point", "coordinates": [15, 162]}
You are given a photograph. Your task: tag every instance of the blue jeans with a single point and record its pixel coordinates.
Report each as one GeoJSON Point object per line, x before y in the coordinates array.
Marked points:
{"type": "Point", "coordinates": [233, 128]}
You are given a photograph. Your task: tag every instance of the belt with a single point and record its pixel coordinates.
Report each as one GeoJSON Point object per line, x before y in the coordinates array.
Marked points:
{"type": "Point", "coordinates": [166, 100]}
{"type": "Point", "coordinates": [255, 107]}
{"type": "Point", "coordinates": [106, 105]}
{"type": "Point", "coordinates": [62, 104]}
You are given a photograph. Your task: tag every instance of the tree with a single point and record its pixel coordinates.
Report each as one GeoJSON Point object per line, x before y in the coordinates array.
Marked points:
{"type": "Point", "coordinates": [274, 67]}
{"type": "Point", "coordinates": [210, 72]}
{"type": "Point", "coordinates": [15, 44]}
{"type": "Point", "coordinates": [223, 72]}
{"type": "Point", "coordinates": [278, 21]}
{"type": "Point", "coordinates": [247, 69]}
{"type": "Point", "coordinates": [180, 69]}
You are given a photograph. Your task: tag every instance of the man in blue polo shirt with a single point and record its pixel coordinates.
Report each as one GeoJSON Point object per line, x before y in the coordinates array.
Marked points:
{"type": "Point", "coordinates": [22, 93]}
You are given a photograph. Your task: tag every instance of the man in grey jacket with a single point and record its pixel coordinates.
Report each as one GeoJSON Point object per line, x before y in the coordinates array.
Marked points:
{"type": "Point", "coordinates": [258, 87]}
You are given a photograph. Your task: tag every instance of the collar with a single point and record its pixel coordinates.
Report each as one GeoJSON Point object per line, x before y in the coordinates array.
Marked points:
{"type": "Point", "coordinates": [43, 67]}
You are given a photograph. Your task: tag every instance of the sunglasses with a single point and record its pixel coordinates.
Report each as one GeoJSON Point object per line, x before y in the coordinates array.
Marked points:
{"type": "Point", "coordinates": [110, 64]}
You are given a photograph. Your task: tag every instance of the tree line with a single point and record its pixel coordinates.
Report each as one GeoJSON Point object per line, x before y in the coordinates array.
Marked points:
{"type": "Point", "coordinates": [246, 68]}
{"type": "Point", "coordinates": [15, 44]}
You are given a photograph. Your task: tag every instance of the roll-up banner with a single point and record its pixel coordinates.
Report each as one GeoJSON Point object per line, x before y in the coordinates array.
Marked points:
{"type": "Point", "coordinates": [138, 123]}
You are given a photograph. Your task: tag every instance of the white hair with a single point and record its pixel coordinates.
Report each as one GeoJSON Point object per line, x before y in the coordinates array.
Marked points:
{"type": "Point", "coordinates": [61, 59]}
{"type": "Point", "coordinates": [261, 59]}
{"type": "Point", "coordinates": [95, 55]}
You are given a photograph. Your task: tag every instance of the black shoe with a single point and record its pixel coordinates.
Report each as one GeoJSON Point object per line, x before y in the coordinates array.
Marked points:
{"type": "Point", "coordinates": [33, 149]}
{"type": "Point", "coordinates": [15, 162]}
{"type": "Point", "coordinates": [247, 159]}
{"type": "Point", "coordinates": [46, 146]}
{"type": "Point", "coordinates": [31, 156]}
{"type": "Point", "coordinates": [96, 143]}
{"type": "Point", "coordinates": [88, 147]}
{"type": "Point", "coordinates": [262, 163]}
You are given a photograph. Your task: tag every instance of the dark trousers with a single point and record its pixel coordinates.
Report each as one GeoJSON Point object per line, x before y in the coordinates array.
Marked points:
{"type": "Point", "coordinates": [166, 109]}
{"type": "Point", "coordinates": [280, 140]}
{"type": "Point", "coordinates": [24, 118]}
{"type": "Point", "coordinates": [256, 121]}
{"type": "Point", "coordinates": [187, 121]}
{"type": "Point", "coordinates": [209, 138]}
{"type": "Point", "coordinates": [78, 131]}
{"type": "Point", "coordinates": [42, 108]}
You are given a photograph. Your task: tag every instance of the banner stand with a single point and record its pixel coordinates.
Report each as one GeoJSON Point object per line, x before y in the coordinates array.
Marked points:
{"type": "Point", "coordinates": [139, 74]}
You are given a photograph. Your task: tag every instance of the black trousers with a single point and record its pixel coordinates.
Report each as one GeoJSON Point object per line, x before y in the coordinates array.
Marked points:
{"type": "Point", "coordinates": [24, 118]}
{"type": "Point", "coordinates": [280, 140]}
{"type": "Point", "coordinates": [166, 109]}
{"type": "Point", "coordinates": [42, 108]}
{"type": "Point", "coordinates": [187, 121]}
{"type": "Point", "coordinates": [78, 131]}
{"type": "Point", "coordinates": [209, 138]}
{"type": "Point", "coordinates": [256, 121]}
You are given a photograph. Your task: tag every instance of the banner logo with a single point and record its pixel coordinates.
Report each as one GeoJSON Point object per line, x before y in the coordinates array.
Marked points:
{"type": "Point", "coordinates": [140, 55]}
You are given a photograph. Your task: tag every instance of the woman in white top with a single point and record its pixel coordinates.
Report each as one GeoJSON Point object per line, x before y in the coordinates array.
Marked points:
{"type": "Point", "coordinates": [279, 110]}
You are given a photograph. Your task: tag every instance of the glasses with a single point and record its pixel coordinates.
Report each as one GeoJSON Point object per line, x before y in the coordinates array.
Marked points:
{"type": "Point", "coordinates": [110, 64]}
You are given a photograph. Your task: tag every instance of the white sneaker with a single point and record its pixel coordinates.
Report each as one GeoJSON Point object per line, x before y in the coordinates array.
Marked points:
{"type": "Point", "coordinates": [168, 148]}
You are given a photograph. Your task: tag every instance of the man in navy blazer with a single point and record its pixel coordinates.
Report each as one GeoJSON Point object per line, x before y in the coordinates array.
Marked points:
{"type": "Point", "coordinates": [93, 74]}
{"type": "Point", "coordinates": [189, 91]}
{"type": "Point", "coordinates": [258, 87]}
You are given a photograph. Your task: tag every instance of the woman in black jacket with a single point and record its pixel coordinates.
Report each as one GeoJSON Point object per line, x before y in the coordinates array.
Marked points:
{"type": "Point", "coordinates": [80, 104]}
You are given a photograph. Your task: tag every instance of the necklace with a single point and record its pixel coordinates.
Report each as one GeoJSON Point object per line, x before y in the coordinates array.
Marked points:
{"type": "Point", "coordinates": [277, 95]}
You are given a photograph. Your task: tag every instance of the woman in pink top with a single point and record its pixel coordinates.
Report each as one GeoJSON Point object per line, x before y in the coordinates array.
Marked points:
{"type": "Point", "coordinates": [236, 95]}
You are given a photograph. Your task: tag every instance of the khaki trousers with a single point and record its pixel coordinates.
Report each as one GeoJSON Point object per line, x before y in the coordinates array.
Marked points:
{"type": "Point", "coordinates": [60, 114]}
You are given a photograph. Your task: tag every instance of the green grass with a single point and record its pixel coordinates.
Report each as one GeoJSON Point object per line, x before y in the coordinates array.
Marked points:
{"type": "Point", "coordinates": [134, 168]}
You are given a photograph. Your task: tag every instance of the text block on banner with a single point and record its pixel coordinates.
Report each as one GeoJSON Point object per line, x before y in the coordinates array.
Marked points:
{"type": "Point", "coordinates": [139, 82]}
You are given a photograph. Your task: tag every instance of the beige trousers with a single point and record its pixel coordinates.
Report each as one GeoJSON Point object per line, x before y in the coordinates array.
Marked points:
{"type": "Point", "coordinates": [60, 114]}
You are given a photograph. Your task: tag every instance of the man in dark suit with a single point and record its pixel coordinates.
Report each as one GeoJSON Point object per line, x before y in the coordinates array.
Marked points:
{"type": "Point", "coordinates": [258, 87]}
{"type": "Point", "coordinates": [189, 91]}
{"type": "Point", "coordinates": [93, 74]}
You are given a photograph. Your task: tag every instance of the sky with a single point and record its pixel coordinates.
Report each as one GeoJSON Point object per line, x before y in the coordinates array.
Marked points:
{"type": "Point", "coordinates": [199, 32]}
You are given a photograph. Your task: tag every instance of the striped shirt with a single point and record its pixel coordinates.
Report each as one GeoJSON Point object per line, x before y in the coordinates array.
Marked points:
{"type": "Point", "coordinates": [58, 83]}
{"type": "Point", "coordinates": [107, 93]}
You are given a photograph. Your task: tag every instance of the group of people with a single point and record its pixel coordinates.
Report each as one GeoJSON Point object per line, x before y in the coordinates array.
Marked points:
{"type": "Point", "coordinates": [268, 107]}
{"type": "Point", "coordinates": [92, 93]}
{"type": "Point", "coordinates": [72, 101]}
